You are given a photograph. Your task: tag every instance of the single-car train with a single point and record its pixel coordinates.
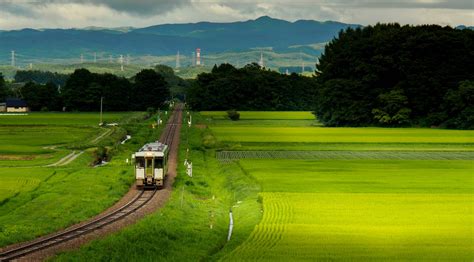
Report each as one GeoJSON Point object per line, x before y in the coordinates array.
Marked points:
{"type": "Point", "coordinates": [151, 164]}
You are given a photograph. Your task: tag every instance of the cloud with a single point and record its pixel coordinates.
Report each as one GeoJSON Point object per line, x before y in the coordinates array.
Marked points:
{"type": "Point", "coordinates": [16, 14]}
{"type": "Point", "coordinates": [135, 7]}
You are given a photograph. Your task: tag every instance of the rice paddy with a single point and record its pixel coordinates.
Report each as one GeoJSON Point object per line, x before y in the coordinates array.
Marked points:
{"type": "Point", "coordinates": [354, 194]}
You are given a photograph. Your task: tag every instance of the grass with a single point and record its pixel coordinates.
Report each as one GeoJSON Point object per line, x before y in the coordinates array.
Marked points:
{"type": "Point", "coordinates": [62, 119]}
{"type": "Point", "coordinates": [259, 115]}
{"type": "Point", "coordinates": [35, 199]}
{"type": "Point", "coordinates": [43, 138]}
{"type": "Point", "coordinates": [362, 210]}
{"type": "Point", "coordinates": [342, 135]}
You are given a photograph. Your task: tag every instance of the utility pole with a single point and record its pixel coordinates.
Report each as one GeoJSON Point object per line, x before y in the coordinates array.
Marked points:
{"type": "Point", "coordinates": [101, 100]}
{"type": "Point", "coordinates": [95, 57]}
{"type": "Point", "coordinates": [13, 58]}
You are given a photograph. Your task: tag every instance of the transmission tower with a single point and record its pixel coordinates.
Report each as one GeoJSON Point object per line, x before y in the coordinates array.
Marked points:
{"type": "Point", "coordinates": [260, 63]}
{"type": "Point", "coordinates": [177, 61]}
{"type": "Point", "coordinates": [13, 58]}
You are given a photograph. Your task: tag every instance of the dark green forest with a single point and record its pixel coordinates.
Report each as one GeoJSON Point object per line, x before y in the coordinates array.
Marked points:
{"type": "Point", "coordinates": [250, 88]}
{"type": "Point", "coordinates": [392, 75]}
{"type": "Point", "coordinates": [83, 91]}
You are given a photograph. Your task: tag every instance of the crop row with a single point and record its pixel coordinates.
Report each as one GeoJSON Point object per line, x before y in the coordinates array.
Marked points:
{"type": "Point", "coordinates": [277, 215]}
{"type": "Point", "coordinates": [229, 156]}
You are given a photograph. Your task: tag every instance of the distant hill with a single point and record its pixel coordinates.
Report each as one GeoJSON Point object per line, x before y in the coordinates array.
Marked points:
{"type": "Point", "coordinates": [162, 40]}
{"type": "Point", "coordinates": [462, 27]}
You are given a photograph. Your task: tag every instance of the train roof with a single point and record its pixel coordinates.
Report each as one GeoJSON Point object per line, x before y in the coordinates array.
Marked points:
{"type": "Point", "coordinates": [156, 149]}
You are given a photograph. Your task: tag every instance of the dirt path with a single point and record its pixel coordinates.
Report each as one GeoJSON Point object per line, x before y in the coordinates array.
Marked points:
{"type": "Point", "coordinates": [157, 202]}
{"type": "Point", "coordinates": [67, 159]}
{"type": "Point", "coordinates": [108, 131]}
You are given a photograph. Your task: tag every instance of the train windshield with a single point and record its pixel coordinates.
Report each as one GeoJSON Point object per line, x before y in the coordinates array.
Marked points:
{"type": "Point", "coordinates": [158, 162]}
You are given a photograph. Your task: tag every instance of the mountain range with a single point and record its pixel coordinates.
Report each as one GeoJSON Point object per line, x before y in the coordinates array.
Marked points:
{"type": "Point", "coordinates": [264, 33]}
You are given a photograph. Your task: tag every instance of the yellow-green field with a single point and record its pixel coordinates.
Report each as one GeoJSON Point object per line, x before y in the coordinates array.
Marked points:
{"type": "Point", "coordinates": [344, 204]}
{"type": "Point", "coordinates": [342, 135]}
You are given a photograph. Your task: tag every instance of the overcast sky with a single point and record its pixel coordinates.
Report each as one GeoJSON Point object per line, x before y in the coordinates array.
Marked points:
{"type": "Point", "coordinates": [15, 14]}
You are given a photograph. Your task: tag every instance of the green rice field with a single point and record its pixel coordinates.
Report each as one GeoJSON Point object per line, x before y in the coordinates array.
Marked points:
{"type": "Point", "coordinates": [362, 210]}
{"type": "Point", "coordinates": [352, 194]}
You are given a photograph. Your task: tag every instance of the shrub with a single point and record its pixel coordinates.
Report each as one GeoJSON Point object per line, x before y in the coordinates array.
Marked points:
{"type": "Point", "coordinates": [233, 115]}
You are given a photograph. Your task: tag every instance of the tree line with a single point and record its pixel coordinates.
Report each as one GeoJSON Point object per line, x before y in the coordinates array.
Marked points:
{"type": "Point", "coordinates": [83, 91]}
{"type": "Point", "coordinates": [250, 88]}
{"type": "Point", "coordinates": [392, 75]}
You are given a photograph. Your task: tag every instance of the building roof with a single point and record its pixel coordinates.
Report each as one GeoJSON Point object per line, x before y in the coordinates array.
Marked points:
{"type": "Point", "coordinates": [15, 102]}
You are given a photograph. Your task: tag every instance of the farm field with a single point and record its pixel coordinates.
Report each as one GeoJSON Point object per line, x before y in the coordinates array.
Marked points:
{"type": "Point", "coordinates": [362, 210]}
{"type": "Point", "coordinates": [36, 198]}
{"type": "Point", "coordinates": [43, 138]}
{"type": "Point", "coordinates": [292, 131]}
{"type": "Point", "coordinates": [365, 194]}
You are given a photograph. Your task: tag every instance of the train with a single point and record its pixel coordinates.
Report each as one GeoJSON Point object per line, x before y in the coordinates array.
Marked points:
{"type": "Point", "coordinates": [151, 165]}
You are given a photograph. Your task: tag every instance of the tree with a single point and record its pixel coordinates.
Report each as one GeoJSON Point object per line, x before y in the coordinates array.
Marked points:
{"type": "Point", "coordinates": [459, 104]}
{"type": "Point", "coordinates": [250, 88]}
{"type": "Point", "coordinates": [397, 74]}
{"type": "Point", "coordinates": [149, 90]}
{"type": "Point", "coordinates": [393, 110]}
{"type": "Point", "coordinates": [3, 88]}
{"type": "Point", "coordinates": [41, 97]}
{"type": "Point", "coordinates": [76, 95]}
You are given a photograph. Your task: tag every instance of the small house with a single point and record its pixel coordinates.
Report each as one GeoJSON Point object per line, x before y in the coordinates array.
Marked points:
{"type": "Point", "coordinates": [15, 105]}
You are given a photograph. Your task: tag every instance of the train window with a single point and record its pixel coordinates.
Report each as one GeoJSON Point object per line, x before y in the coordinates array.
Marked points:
{"type": "Point", "coordinates": [158, 163]}
{"type": "Point", "coordinates": [140, 162]}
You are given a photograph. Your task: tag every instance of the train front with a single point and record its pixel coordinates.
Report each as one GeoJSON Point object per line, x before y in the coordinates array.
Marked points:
{"type": "Point", "coordinates": [150, 162]}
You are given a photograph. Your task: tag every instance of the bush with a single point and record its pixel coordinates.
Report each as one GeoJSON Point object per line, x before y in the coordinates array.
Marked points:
{"type": "Point", "coordinates": [233, 115]}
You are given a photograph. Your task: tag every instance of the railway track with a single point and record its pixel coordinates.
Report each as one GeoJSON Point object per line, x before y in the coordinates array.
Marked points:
{"type": "Point", "coordinates": [140, 200]}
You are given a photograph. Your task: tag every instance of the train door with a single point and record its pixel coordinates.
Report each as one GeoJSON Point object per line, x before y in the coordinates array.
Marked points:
{"type": "Point", "coordinates": [149, 169]}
